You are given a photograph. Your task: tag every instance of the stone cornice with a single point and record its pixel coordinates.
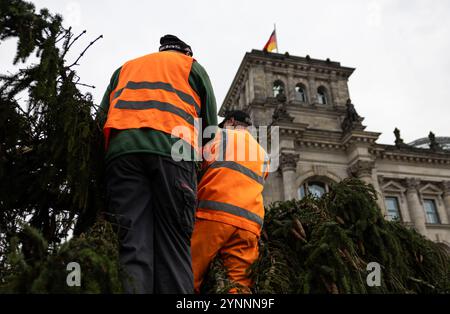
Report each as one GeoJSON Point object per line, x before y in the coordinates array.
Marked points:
{"type": "Point", "coordinates": [411, 154]}
{"type": "Point", "coordinates": [295, 108]}
{"type": "Point", "coordinates": [290, 129]}
{"type": "Point", "coordinates": [301, 63]}
{"type": "Point", "coordinates": [359, 136]}
{"type": "Point", "coordinates": [318, 139]}
{"type": "Point", "coordinates": [319, 145]}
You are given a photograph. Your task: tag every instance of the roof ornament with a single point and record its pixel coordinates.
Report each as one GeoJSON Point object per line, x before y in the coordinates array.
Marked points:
{"type": "Point", "coordinates": [434, 145]}
{"type": "Point", "coordinates": [352, 120]}
{"type": "Point", "coordinates": [280, 113]}
{"type": "Point", "coordinates": [399, 143]}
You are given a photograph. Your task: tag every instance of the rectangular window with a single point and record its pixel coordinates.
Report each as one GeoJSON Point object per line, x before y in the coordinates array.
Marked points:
{"type": "Point", "coordinates": [392, 208]}
{"type": "Point", "coordinates": [431, 211]}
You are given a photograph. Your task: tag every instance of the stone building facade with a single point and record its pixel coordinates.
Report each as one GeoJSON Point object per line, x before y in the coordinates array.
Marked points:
{"type": "Point", "coordinates": [323, 140]}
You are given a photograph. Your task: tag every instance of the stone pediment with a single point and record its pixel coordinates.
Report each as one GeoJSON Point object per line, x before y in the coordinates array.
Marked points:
{"type": "Point", "coordinates": [392, 186]}
{"type": "Point", "coordinates": [430, 189]}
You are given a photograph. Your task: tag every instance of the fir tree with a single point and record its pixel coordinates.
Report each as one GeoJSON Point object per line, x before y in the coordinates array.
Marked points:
{"type": "Point", "coordinates": [50, 144]}
{"type": "Point", "coordinates": [323, 245]}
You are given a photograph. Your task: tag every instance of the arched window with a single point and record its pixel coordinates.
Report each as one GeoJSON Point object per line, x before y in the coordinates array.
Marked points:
{"type": "Point", "coordinates": [322, 96]}
{"type": "Point", "coordinates": [278, 88]}
{"type": "Point", "coordinates": [300, 93]}
{"type": "Point", "coordinates": [314, 188]}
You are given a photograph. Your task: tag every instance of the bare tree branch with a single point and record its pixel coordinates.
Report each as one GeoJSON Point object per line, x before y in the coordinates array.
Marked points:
{"type": "Point", "coordinates": [82, 53]}
{"type": "Point", "coordinates": [86, 85]}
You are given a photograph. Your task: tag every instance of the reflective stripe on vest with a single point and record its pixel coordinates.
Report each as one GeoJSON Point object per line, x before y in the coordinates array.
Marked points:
{"type": "Point", "coordinates": [154, 104]}
{"type": "Point", "coordinates": [159, 85]}
{"type": "Point", "coordinates": [232, 209]}
{"type": "Point", "coordinates": [239, 168]}
{"type": "Point", "coordinates": [154, 92]}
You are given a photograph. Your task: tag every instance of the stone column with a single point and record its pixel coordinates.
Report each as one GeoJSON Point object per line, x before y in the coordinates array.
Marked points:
{"type": "Point", "coordinates": [334, 94]}
{"type": "Point", "coordinates": [288, 166]}
{"type": "Point", "coordinates": [363, 170]}
{"type": "Point", "coordinates": [415, 207]}
{"type": "Point", "coordinates": [290, 88]}
{"type": "Point", "coordinates": [446, 197]}
{"type": "Point", "coordinates": [311, 91]}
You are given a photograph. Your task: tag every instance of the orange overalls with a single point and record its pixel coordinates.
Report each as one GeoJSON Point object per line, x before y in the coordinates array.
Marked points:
{"type": "Point", "coordinates": [230, 209]}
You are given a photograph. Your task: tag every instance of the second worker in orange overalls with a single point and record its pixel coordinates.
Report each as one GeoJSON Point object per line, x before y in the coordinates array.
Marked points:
{"type": "Point", "coordinates": [230, 209]}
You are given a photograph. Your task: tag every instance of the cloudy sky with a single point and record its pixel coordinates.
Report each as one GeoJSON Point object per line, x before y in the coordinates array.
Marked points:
{"type": "Point", "coordinates": [400, 48]}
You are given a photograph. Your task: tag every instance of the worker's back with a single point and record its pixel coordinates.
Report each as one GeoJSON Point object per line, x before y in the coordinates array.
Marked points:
{"type": "Point", "coordinates": [231, 186]}
{"type": "Point", "coordinates": [153, 91]}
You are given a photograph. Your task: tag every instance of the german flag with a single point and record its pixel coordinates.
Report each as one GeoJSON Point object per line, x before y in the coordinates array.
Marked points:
{"type": "Point", "coordinates": [272, 43]}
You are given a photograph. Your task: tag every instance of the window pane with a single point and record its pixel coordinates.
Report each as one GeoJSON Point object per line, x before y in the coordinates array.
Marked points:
{"type": "Point", "coordinates": [300, 93]}
{"type": "Point", "coordinates": [431, 212]}
{"type": "Point", "coordinates": [392, 208]}
{"type": "Point", "coordinates": [316, 188]}
{"type": "Point", "coordinates": [322, 99]}
{"type": "Point", "coordinates": [321, 96]}
{"type": "Point", "coordinates": [301, 192]}
{"type": "Point", "coordinates": [278, 88]}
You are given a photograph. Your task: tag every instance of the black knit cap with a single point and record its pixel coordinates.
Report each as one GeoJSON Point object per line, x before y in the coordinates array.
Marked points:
{"type": "Point", "coordinates": [171, 42]}
{"type": "Point", "coordinates": [238, 115]}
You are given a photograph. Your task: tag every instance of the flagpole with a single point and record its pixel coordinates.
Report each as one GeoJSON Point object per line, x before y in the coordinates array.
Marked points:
{"type": "Point", "coordinates": [276, 37]}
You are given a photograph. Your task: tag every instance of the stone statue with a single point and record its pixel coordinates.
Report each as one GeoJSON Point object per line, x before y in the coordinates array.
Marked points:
{"type": "Point", "coordinates": [352, 119]}
{"type": "Point", "coordinates": [280, 113]}
{"type": "Point", "coordinates": [281, 97]}
{"type": "Point", "coordinates": [398, 140]}
{"type": "Point", "coordinates": [352, 115]}
{"type": "Point", "coordinates": [434, 145]}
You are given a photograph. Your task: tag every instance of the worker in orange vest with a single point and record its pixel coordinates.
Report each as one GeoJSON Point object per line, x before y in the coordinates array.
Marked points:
{"type": "Point", "coordinates": [151, 195]}
{"type": "Point", "coordinates": [230, 209]}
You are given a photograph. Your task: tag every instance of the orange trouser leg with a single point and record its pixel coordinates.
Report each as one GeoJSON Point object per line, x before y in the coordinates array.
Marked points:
{"type": "Point", "coordinates": [239, 253]}
{"type": "Point", "coordinates": [207, 239]}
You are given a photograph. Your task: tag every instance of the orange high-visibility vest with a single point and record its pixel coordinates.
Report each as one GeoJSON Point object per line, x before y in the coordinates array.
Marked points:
{"type": "Point", "coordinates": [230, 189]}
{"type": "Point", "coordinates": [154, 92]}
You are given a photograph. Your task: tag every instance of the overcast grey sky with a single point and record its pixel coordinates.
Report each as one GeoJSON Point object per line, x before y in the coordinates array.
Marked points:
{"type": "Point", "coordinates": [400, 48]}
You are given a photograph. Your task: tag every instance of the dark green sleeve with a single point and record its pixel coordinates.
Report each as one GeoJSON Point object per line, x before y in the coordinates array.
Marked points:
{"type": "Point", "coordinates": [104, 105]}
{"type": "Point", "coordinates": [200, 82]}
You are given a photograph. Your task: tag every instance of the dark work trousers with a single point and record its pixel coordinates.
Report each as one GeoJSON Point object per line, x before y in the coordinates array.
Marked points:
{"type": "Point", "coordinates": [153, 200]}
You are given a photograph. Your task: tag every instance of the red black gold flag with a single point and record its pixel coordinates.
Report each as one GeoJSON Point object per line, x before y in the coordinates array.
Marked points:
{"type": "Point", "coordinates": [272, 43]}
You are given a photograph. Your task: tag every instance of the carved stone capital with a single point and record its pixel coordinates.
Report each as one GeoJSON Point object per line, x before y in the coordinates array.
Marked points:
{"type": "Point", "coordinates": [446, 187]}
{"type": "Point", "coordinates": [412, 184]}
{"type": "Point", "coordinates": [361, 168]}
{"type": "Point", "coordinates": [381, 180]}
{"type": "Point", "coordinates": [288, 161]}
